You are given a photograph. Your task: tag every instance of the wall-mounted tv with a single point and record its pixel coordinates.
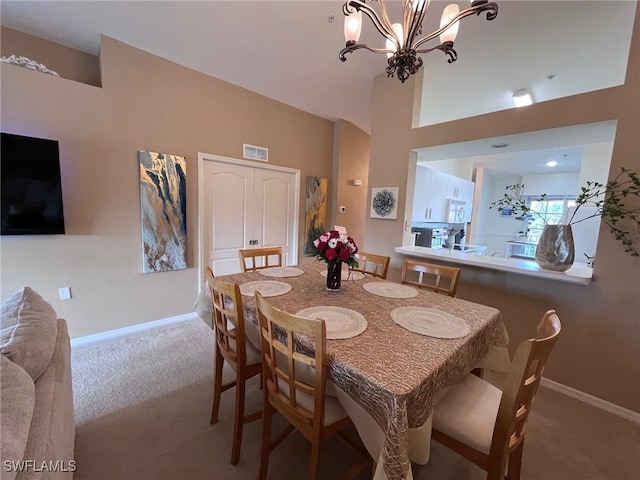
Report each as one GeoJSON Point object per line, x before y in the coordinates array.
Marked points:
{"type": "Point", "coordinates": [31, 195]}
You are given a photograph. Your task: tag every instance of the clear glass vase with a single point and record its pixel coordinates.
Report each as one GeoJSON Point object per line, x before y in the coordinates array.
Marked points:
{"type": "Point", "coordinates": [334, 275]}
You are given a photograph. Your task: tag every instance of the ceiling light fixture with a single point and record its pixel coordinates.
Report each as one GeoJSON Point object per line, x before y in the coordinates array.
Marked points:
{"type": "Point", "coordinates": [522, 98]}
{"type": "Point", "coordinates": [551, 163]}
{"type": "Point", "coordinates": [402, 39]}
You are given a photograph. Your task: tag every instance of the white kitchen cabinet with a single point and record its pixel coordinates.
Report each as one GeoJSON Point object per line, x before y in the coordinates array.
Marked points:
{"type": "Point", "coordinates": [438, 196]}
{"type": "Point", "coordinates": [421, 194]}
{"type": "Point", "coordinates": [429, 195]}
{"type": "Point", "coordinates": [461, 189]}
{"type": "Point", "coordinates": [432, 190]}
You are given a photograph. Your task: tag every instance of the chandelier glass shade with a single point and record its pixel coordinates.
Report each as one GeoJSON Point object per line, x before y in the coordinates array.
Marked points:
{"type": "Point", "coordinates": [404, 41]}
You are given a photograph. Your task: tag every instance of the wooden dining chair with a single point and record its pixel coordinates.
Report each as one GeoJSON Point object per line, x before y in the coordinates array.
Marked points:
{"type": "Point", "coordinates": [372, 264]}
{"type": "Point", "coordinates": [267, 254]}
{"type": "Point", "coordinates": [486, 425]}
{"type": "Point", "coordinates": [231, 346]}
{"type": "Point", "coordinates": [437, 278]}
{"type": "Point", "coordinates": [290, 390]}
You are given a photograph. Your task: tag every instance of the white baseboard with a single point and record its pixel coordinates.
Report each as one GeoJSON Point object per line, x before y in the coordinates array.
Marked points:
{"type": "Point", "coordinates": [591, 400]}
{"type": "Point", "coordinates": [133, 328]}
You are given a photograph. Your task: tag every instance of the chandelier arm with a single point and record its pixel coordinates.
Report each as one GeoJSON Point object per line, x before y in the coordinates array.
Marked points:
{"type": "Point", "coordinates": [352, 48]}
{"type": "Point", "coordinates": [373, 15]}
{"type": "Point", "coordinates": [492, 12]}
{"type": "Point", "coordinates": [446, 48]}
{"type": "Point", "coordinates": [385, 17]}
{"type": "Point", "coordinates": [416, 24]}
{"type": "Point", "coordinates": [405, 22]}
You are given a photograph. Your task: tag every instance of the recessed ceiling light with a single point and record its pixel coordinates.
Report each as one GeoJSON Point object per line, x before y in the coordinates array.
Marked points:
{"type": "Point", "coordinates": [552, 163]}
{"type": "Point", "coordinates": [522, 98]}
{"type": "Point", "coordinates": [499, 145]}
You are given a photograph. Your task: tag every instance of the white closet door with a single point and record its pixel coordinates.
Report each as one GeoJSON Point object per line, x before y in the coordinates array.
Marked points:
{"type": "Point", "coordinates": [246, 207]}
{"type": "Point", "coordinates": [274, 217]}
{"type": "Point", "coordinates": [229, 194]}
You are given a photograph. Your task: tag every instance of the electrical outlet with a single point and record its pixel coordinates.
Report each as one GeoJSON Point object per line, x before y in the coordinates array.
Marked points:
{"type": "Point", "coordinates": [65, 293]}
{"type": "Point", "coordinates": [342, 209]}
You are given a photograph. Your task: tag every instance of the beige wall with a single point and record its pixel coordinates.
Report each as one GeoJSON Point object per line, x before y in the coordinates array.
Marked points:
{"type": "Point", "coordinates": [66, 62]}
{"type": "Point", "coordinates": [351, 161]}
{"type": "Point", "coordinates": [599, 349]}
{"type": "Point", "coordinates": [145, 103]}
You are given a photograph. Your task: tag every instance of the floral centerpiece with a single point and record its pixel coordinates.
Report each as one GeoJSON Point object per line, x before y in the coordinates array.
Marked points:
{"type": "Point", "coordinates": [333, 248]}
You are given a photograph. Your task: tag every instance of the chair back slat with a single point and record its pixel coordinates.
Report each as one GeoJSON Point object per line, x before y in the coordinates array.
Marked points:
{"type": "Point", "coordinates": [299, 400]}
{"type": "Point", "coordinates": [519, 391]}
{"type": "Point", "coordinates": [231, 348]}
{"type": "Point", "coordinates": [252, 259]}
{"type": "Point", "coordinates": [372, 264]}
{"type": "Point", "coordinates": [437, 278]}
{"type": "Point", "coordinates": [228, 319]}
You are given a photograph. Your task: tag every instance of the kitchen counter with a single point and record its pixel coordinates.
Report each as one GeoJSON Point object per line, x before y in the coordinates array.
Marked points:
{"type": "Point", "coordinates": [467, 248]}
{"type": "Point", "coordinates": [579, 273]}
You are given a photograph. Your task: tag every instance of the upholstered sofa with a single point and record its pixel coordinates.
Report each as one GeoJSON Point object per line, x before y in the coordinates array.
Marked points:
{"type": "Point", "coordinates": [36, 404]}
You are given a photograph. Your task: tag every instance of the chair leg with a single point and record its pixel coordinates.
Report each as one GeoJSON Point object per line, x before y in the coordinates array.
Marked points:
{"type": "Point", "coordinates": [315, 458]}
{"type": "Point", "coordinates": [267, 411]}
{"type": "Point", "coordinates": [217, 385]}
{"type": "Point", "coordinates": [514, 462]}
{"type": "Point", "coordinates": [238, 421]}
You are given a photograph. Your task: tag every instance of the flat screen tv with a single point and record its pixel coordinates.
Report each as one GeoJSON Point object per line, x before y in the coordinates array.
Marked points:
{"type": "Point", "coordinates": [31, 192]}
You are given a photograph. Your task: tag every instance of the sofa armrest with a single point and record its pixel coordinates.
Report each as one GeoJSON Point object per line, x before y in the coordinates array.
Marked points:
{"type": "Point", "coordinates": [52, 433]}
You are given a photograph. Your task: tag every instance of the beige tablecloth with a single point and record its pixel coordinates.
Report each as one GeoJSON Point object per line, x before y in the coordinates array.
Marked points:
{"type": "Point", "coordinates": [390, 373]}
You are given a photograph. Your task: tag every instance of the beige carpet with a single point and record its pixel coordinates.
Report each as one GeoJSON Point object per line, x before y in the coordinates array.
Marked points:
{"type": "Point", "coordinates": [143, 402]}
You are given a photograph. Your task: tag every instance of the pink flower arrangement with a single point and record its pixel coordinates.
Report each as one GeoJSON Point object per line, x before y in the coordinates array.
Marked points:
{"type": "Point", "coordinates": [332, 246]}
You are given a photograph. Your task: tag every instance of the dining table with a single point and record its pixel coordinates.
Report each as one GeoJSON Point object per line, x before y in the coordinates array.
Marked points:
{"type": "Point", "coordinates": [392, 350]}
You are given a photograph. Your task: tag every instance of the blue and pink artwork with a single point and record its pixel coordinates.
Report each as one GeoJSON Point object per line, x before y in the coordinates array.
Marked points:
{"type": "Point", "coordinates": [163, 201]}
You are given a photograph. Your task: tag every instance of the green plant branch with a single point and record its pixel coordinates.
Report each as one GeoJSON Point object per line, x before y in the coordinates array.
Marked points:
{"type": "Point", "coordinates": [611, 207]}
{"type": "Point", "coordinates": [514, 199]}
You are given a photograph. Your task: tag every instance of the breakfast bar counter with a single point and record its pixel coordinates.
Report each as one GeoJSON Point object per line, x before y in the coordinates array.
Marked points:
{"type": "Point", "coordinates": [579, 273]}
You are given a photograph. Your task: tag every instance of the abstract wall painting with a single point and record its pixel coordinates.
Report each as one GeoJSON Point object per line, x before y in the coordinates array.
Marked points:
{"type": "Point", "coordinates": [163, 201]}
{"type": "Point", "coordinates": [315, 211]}
{"type": "Point", "coordinates": [384, 203]}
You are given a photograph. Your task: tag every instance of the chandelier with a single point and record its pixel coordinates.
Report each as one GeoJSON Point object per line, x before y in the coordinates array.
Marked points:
{"type": "Point", "coordinates": [404, 40]}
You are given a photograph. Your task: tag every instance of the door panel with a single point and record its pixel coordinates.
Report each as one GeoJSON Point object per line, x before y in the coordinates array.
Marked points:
{"type": "Point", "coordinates": [246, 207]}
{"type": "Point", "coordinates": [275, 210]}
{"type": "Point", "coordinates": [229, 189]}
{"type": "Point", "coordinates": [275, 213]}
{"type": "Point", "coordinates": [229, 198]}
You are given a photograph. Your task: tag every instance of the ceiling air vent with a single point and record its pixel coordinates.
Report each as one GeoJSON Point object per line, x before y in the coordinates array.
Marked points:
{"type": "Point", "coordinates": [255, 153]}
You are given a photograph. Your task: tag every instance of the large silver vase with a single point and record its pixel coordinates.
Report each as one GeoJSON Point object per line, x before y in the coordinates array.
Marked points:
{"type": "Point", "coordinates": [555, 249]}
